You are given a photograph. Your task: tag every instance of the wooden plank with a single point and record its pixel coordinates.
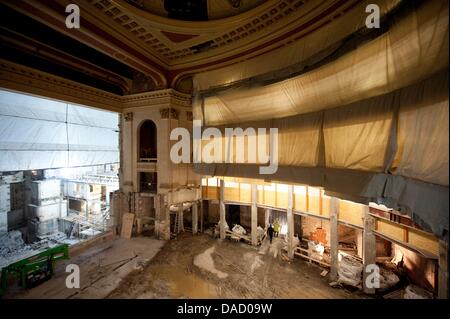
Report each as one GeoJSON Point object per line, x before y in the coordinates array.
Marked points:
{"type": "Point", "coordinates": [334, 239]}
{"type": "Point", "coordinates": [290, 221]}
{"type": "Point", "coordinates": [443, 270]}
{"type": "Point", "coordinates": [300, 198]}
{"type": "Point", "coordinates": [369, 247]}
{"type": "Point", "coordinates": [194, 218]}
{"type": "Point", "coordinates": [390, 229]}
{"type": "Point", "coordinates": [352, 213]}
{"type": "Point", "coordinates": [127, 225]}
{"type": "Point", "coordinates": [222, 209]}
{"type": "Point", "coordinates": [314, 200]}
{"type": "Point", "coordinates": [254, 215]}
{"type": "Point", "coordinates": [423, 241]}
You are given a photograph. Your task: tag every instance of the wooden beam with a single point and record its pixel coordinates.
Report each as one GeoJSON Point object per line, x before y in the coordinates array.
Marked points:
{"type": "Point", "coordinates": [202, 209]}
{"type": "Point", "coordinates": [254, 215]}
{"type": "Point", "coordinates": [369, 247]}
{"type": "Point", "coordinates": [443, 270]}
{"type": "Point", "coordinates": [290, 221]}
{"type": "Point", "coordinates": [157, 204]}
{"type": "Point", "coordinates": [222, 209]}
{"type": "Point", "coordinates": [266, 217]}
{"type": "Point", "coordinates": [334, 240]}
{"type": "Point", "coordinates": [195, 217]}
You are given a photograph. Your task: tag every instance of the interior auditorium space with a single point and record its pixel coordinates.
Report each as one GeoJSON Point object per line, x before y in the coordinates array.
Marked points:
{"type": "Point", "coordinates": [224, 149]}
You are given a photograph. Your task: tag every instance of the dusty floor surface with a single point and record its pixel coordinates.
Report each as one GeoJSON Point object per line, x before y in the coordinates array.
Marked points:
{"type": "Point", "coordinates": [202, 267]}
{"type": "Point", "coordinates": [101, 270]}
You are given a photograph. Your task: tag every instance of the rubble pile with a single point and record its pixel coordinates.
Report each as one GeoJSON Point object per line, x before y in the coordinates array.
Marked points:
{"type": "Point", "coordinates": [415, 292]}
{"type": "Point", "coordinates": [13, 248]}
{"type": "Point", "coordinates": [260, 232]}
{"type": "Point", "coordinates": [238, 229]}
{"type": "Point", "coordinates": [349, 271]}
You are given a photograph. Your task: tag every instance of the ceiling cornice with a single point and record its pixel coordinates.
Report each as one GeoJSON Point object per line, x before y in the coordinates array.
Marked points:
{"type": "Point", "coordinates": [20, 78]}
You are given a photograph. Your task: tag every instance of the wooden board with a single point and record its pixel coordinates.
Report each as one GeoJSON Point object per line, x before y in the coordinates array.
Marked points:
{"type": "Point", "coordinates": [314, 200]}
{"type": "Point", "coordinates": [390, 229]}
{"type": "Point", "coordinates": [213, 192]}
{"type": "Point", "coordinates": [351, 213]}
{"type": "Point", "coordinates": [300, 198]}
{"type": "Point", "coordinates": [127, 225]}
{"type": "Point", "coordinates": [423, 241]}
{"type": "Point", "coordinates": [245, 195]}
{"type": "Point", "coordinates": [231, 194]}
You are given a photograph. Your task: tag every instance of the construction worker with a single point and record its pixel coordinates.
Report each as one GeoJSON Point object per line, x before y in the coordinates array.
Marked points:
{"type": "Point", "coordinates": [270, 232]}
{"type": "Point", "coordinates": [276, 228]}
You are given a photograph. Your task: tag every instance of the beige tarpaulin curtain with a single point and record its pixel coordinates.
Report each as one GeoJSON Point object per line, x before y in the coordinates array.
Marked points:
{"type": "Point", "coordinates": [310, 45]}
{"type": "Point", "coordinates": [359, 136]}
{"type": "Point", "coordinates": [372, 124]}
{"type": "Point", "coordinates": [413, 49]}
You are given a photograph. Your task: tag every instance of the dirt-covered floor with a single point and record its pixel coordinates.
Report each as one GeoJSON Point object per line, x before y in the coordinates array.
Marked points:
{"type": "Point", "coordinates": [203, 267]}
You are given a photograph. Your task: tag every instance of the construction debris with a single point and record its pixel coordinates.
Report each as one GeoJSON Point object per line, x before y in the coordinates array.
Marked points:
{"type": "Point", "coordinates": [238, 229]}
{"type": "Point", "coordinates": [387, 278]}
{"type": "Point", "coordinates": [13, 248]}
{"type": "Point", "coordinates": [349, 271]}
{"type": "Point", "coordinates": [316, 250]}
{"type": "Point", "coordinates": [415, 292]}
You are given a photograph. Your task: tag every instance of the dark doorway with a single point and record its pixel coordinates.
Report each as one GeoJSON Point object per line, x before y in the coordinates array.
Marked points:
{"type": "Point", "coordinates": [233, 215]}
{"type": "Point", "coordinates": [148, 142]}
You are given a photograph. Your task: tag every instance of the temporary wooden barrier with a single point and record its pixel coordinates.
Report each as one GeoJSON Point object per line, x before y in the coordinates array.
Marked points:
{"type": "Point", "coordinates": [127, 225]}
{"type": "Point", "coordinates": [312, 202]}
{"type": "Point", "coordinates": [410, 237]}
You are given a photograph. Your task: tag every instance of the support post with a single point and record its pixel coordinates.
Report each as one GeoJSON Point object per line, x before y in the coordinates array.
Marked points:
{"type": "Point", "coordinates": [222, 209]}
{"type": "Point", "coordinates": [369, 247]}
{"type": "Point", "coordinates": [157, 204]}
{"type": "Point", "coordinates": [254, 215]}
{"type": "Point", "coordinates": [266, 217]}
{"type": "Point", "coordinates": [194, 217]}
{"type": "Point", "coordinates": [202, 210]}
{"type": "Point", "coordinates": [443, 270]}
{"type": "Point", "coordinates": [290, 221]}
{"type": "Point", "coordinates": [180, 218]}
{"type": "Point", "coordinates": [334, 215]}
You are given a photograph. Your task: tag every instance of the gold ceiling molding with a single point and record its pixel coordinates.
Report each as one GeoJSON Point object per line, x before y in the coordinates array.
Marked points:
{"type": "Point", "coordinates": [226, 36]}
{"type": "Point", "coordinates": [24, 79]}
{"type": "Point", "coordinates": [145, 63]}
{"type": "Point", "coordinates": [194, 26]}
{"type": "Point", "coordinates": [20, 78]}
{"type": "Point", "coordinates": [157, 99]}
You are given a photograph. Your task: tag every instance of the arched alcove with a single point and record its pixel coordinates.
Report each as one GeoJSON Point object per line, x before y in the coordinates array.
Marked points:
{"type": "Point", "coordinates": [148, 142]}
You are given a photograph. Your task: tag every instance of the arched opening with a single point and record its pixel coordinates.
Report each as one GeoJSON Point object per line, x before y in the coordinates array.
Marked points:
{"type": "Point", "coordinates": [148, 142]}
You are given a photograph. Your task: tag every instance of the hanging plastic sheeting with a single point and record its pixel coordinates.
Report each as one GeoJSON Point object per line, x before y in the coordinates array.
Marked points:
{"type": "Point", "coordinates": [312, 40]}
{"type": "Point", "coordinates": [413, 49]}
{"type": "Point", "coordinates": [39, 133]}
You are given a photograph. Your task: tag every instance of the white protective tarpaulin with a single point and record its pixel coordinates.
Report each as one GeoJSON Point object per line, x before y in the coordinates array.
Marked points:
{"type": "Point", "coordinates": [39, 133]}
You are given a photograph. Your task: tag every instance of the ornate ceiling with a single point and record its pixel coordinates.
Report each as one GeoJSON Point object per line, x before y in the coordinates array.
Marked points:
{"type": "Point", "coordinates": [140, 34]}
